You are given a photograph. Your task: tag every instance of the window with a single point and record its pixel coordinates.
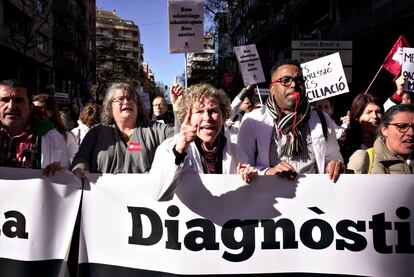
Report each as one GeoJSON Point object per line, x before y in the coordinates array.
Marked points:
{"type": "Point", "coordinates": [40, 6]}
{"type": "Point", "coordinates": [41, 42]}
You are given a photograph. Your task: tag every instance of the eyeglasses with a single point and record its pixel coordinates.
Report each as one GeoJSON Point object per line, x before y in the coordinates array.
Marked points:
{"type": "Point", "coordinates": [158, 105]}
{"type": "Point", "coordinates": [122, 99]}
{"type": "Point", "coordinates": [402, 127]}
{"type": "Point", "coordinates": [287, 80]}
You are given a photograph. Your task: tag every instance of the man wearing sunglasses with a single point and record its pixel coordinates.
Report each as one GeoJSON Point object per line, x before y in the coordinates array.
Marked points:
{"type": "Point", "coordinates": [286, 136]}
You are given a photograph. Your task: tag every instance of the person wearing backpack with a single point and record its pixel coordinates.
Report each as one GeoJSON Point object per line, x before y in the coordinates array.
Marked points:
{"type": "Point", "coordinates": [286, 136]}
{"type": "Point", "coordinates": [392, 152]}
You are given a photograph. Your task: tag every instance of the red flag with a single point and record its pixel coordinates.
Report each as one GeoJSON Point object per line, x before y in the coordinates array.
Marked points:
{"type": "Point", "coordinates": [393, 62]}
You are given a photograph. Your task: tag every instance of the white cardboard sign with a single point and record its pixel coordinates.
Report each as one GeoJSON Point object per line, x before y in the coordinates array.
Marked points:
{"type": "Point", "coordinates": [250, 65]}
{"type": "Point", "coordinates": [408, 68]}
{"type": "Point", "coordinates": [186, 26]}
{"type": "Point", "coordinates": [324, 77]}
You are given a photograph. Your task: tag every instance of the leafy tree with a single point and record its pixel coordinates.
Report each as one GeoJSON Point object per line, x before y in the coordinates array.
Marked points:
{"type": "Point", "coordinates": [113, 66]}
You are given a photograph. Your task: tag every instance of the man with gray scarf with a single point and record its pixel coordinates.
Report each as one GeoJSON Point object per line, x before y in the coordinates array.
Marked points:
{"type": "Point", "coordinates": [287, 136]}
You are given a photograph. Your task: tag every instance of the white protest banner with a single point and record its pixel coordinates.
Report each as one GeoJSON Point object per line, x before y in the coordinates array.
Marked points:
{"type": "Point", "coordinates": [408, 68]}
{"type": "Point", "coordinates": [37, 217]}
{"type": "Point", "coordinates": [324, 77]}
{"type": "Point", "coordinates": [186, 26]}
{"type": "Point", "coordinates": [250, 65]}
{"type": "Point", "coordinates": [361, 225]}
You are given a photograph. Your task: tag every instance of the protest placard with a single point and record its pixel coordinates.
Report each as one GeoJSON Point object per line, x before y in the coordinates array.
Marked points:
{"type": "Point", "coordinates": [145, 98]}
{"type": "Point", "coordinates": [408, 68]}
{"type": "Point", "coordinates": [250, 65]}
{"type": "Point", "coordinates": [324, 77]}
{"type": "Point", "coordinates": [186, 26]}
{"type": "Point", "coordinates": [307, 50]}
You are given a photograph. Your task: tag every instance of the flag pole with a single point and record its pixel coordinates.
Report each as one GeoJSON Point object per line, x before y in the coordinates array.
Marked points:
{"type": "Point", "coordinates": [185, 71]}
{"type": "Point", "coordinates": [373, 80]}
{"type": "Point", "coordinates": [258, 93]}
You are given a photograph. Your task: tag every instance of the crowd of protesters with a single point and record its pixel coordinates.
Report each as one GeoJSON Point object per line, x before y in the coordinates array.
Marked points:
{"type": "Point", "coordinates": [286, 136]}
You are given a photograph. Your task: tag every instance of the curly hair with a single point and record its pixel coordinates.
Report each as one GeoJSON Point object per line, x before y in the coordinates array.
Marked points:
{"type": "Point", "coordinates": [107, 116]}
{"type": "Point", "coordinates": [90, 115]}
{"type": "Point", "coordinates": [196, 94]}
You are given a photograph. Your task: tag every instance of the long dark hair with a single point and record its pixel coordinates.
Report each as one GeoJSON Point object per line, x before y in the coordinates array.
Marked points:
{"type": "Point", "coordinates": [50, 104]}
{"type": "Point", "coordinates": [352, 138]}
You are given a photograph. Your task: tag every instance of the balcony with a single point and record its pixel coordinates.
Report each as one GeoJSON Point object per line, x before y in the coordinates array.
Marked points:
{"type": "Point", "coordinates": [63, 37]}
{"type": "Point", "coordinates": [63, 9]}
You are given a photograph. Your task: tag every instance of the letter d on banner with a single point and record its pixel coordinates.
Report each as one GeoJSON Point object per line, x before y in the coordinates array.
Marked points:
{"type": "Point", "coordinates": [137, 234]}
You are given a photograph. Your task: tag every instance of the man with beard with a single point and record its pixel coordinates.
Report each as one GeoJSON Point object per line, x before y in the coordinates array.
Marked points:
{"type": "Point", "coordinates": [286, 136]}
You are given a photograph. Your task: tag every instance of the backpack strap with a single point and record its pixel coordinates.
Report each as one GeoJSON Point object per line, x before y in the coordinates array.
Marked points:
{"type": "Point", "coordinates": [323, 122]}
{"type": "Point", "coordinates": [370, 152]}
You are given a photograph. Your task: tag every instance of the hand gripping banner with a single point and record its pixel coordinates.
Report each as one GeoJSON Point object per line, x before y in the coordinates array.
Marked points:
{"type": "Point", "coordinates": [37, 217]}
{"type": "Point", "coordinates": [362, 225]}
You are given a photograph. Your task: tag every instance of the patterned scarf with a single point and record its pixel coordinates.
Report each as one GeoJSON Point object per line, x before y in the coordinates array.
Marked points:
{"type": "Point", "coordinates": [212, 160]}
{"type": "Point", "coordinates": [288, 125]}
{"type": "Point", "coordinates": [24, 150]}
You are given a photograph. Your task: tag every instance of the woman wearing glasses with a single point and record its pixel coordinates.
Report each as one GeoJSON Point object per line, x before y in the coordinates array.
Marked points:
{"type": "Point", "coordinates": [125, 142]}
{"type": "Point", "coordinates": [393, 149]}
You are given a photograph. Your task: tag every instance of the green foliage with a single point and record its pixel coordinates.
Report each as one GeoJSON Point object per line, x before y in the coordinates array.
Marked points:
{"type": "Point", "coordinates": [113, 66]}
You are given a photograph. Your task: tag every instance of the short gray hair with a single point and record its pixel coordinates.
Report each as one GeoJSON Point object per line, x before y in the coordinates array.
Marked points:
{"type": "Point", "coordinates": [107, 116]}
